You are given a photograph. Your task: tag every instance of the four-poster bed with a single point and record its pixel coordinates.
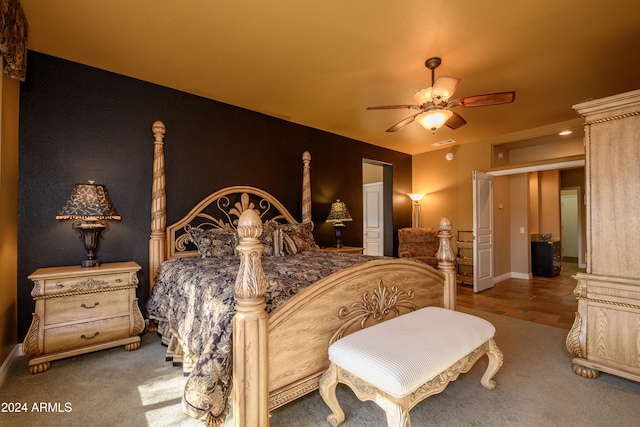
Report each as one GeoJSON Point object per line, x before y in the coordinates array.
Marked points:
{"type": "Point", "coordinates": [288, 300]}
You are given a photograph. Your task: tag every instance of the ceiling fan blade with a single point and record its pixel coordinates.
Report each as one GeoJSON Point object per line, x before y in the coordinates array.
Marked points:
{"type": "Point", "coordinates": [403, 123]}
{"type": "Point", "coordinates": [393, 107]}
{"type": "Point", "coordinates": [455, 121]}
{"type": "Point", "coordinates": [444, 87]}
{"type": "Point", "coordinates": [484, 100]}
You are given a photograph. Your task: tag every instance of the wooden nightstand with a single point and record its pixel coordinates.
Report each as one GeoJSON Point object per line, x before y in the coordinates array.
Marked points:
{"type": "Point", "coordinates": [80, 310]}
{"type": "Point", "coordinates": [345, 249]}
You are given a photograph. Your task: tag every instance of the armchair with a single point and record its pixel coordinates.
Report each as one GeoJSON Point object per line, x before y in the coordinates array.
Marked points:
{"type": "Point", "coordinates": [420, 244]}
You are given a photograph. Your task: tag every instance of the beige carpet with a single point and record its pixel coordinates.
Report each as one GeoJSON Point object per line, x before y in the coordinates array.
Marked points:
{"type": "Point", "coordinates": [536, 387]}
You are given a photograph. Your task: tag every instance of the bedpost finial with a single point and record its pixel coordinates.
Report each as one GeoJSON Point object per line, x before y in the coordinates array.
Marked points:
{"type": "Point", "coordinates": [444, 224]}
{"type": "Point", "coordinates": [306, 156]}
{"type": "Point", "coordinates": [249, 224]}
{"type": "Point", "coordinates": [158, 128]}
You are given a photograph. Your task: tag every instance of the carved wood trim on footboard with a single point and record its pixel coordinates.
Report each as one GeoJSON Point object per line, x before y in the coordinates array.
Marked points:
{"type": "Point", "coordinates": [300, 331]}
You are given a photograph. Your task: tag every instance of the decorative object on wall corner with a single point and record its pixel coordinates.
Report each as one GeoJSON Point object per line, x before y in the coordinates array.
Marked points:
{"type": "Point", "coordinates": [337, 215]}
{"type": "Point", "coordinates": [13, 43]}
{"type": "Point", "coordinates": [449, 156]}
{"type": "Point", "coordinates": [416, 197]}
{"type": "Point", "coordinates": [89, 206]}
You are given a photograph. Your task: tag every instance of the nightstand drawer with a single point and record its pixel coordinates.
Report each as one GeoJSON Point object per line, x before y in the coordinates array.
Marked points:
{"type": "Point", "coordinates": [99, 305]}
{"type": "Point", "coordinates": [82, 334]}
{"type": "Point", "coordinates": [80, 284]}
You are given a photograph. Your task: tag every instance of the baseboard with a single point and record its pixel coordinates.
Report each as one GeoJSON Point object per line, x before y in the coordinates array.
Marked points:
{"type": "Point", "coordinates": [512, 275]}
{"type": "Point", "coordinates": [525, 276]}
{"type": "Point", "coordinates": [6, 365]}
{"type": "Point", "coordinates": [502, 277]}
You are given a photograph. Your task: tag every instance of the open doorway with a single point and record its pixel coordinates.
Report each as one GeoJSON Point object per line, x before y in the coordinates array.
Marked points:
{"type": "Point", "coordinates": [571, 223]}
{"type": "Point", "coordinates": [377, 205]}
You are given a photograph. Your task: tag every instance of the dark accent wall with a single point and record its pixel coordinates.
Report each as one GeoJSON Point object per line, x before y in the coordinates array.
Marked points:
{"type": "Point", "coordinates": [79, 123]}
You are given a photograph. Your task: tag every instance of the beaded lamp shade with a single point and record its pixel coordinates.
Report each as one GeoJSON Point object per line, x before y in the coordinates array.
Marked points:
{"type": "Point", "coordinates": [338, 212]}
{"type": "Point", "coordinates": [89, 201]}
{"type": "Point", "coordinates": [337, 215]}
{"type": "Point", "coordinates": [87, 206]}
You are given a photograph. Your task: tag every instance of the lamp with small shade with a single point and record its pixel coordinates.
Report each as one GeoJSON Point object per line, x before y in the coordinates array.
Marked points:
{"type": "Point", "coordinates": [337, 216]}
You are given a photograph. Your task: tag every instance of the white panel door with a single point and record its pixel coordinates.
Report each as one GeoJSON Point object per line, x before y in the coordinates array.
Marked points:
{"type": "Point", "coordinates": [482, 231]}
{"type": "Point", "coordinates": [373, 220]}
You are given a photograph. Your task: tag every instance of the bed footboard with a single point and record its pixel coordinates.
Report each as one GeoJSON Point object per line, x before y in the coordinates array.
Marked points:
{"type": "Point", "coordinates": [298, 333]}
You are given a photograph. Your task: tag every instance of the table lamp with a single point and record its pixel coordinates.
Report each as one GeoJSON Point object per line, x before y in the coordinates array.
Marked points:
{"type": "Point", "coordinates": [89, 206]}
{"type": "Point", "coordinates": [337, 215]}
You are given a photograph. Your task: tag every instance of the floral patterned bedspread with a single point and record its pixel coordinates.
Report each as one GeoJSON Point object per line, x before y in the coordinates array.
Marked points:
{"type": "Point", "coordinates": [195, 296]}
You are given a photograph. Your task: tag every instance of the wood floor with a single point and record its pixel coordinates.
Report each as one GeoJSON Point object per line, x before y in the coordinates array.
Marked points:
{"type": "Point", "coordinates": [549, 301]}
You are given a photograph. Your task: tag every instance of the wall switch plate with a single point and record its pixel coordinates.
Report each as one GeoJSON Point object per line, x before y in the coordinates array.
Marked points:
{"type": "Point", "coordinates": [521, 230]}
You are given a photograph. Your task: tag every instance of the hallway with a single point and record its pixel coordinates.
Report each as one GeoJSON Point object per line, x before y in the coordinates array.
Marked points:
{"type": "Point", "coordinates": [549, 301]}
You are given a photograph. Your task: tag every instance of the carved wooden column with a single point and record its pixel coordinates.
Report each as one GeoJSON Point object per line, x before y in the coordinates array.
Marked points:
{"type": "Point", "coordinates": [447, 263]}
{"type": "Point", "coordinates": [250, 328]}
{"type": "Point", "coordinates": [306, 187]}
{"type": "Point", "coordinates": [157, 241]}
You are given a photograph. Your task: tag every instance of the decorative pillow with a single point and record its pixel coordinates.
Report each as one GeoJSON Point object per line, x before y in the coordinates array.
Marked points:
{"type": "Point", "coordinates": [289, 245]}
{"type": "Point", "coordinates": [302, 236]}
{"type": "Point", "coordinates": [215, 242]}
{"type": "Point", "coordinates": [271, 238]}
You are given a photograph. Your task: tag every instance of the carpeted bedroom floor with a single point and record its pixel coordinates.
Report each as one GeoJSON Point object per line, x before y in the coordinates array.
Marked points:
{"type": "Point", "coordinates": [536, 387]}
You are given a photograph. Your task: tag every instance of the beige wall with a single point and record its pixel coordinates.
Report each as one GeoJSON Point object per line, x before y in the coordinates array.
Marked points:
{"type": "Point", "coordinates": [449, 192]}
{"type": "Point", "coordinates": [447, 184]}
{"type": "Point", "coordinates": [534, 203]}
{"type": "Point", "coordinates": [550, 203]}
{"type": "Point", "coordinates": [544, 203]}
{"type": "Point", "coordinates": [502, 225]}
{"type": "Point", "coordinates": [519, 232]}
{"type": "Point", "coordinates": [9, 105]}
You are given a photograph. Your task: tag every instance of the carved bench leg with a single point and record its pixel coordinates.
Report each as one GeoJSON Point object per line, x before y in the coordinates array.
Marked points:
{"type": "Point", "coordinates": [397, 414]}
{"type": "Point", "coordinates": [328, 383]}
{"type": "Point", "coordinates": [495, 362]}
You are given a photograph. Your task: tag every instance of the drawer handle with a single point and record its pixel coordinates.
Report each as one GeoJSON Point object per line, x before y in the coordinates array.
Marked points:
{"type": "Point", "coordinates": [118, 280]}
{"type": "Point", "coordinates": [93, 306]}
{"type": "Point", "coordinates": [89, 338]}
{"type": "Point", "coordinates": [59, 285]}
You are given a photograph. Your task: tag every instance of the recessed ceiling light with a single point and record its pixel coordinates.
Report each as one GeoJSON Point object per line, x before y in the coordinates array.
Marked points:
{"type": "Point", "coordinates": [565, 132]}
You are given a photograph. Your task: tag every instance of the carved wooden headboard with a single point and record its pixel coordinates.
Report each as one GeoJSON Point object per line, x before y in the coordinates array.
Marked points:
{"type": "Point", "coordinates": [220, 209]}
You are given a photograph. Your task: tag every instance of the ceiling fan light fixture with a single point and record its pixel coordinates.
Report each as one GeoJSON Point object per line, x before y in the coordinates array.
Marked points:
{"type": "Point", "coordinates": [434, 119]}
{"type": "Point", "coordinates": [422, 97]}
{"type": "Point", "coordinates": [444, 87]}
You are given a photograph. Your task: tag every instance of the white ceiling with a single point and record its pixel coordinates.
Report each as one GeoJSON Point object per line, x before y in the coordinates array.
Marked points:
{"type": "Point", "coordinates": [321, 63]}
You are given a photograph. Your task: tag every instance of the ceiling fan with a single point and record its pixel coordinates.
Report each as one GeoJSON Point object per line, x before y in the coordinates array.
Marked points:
{"type": "Point", "coordinates": [434, 107]}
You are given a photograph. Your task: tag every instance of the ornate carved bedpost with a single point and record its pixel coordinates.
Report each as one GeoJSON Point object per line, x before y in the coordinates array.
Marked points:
{"type": "Point", "coordinates": [157, 242]}
{"type": "Point", "coordinates": [447, 263]}
{"type": "Point", "coordinates": [250, 328]}
{"type": "Point", "coordinates": [306, 187]}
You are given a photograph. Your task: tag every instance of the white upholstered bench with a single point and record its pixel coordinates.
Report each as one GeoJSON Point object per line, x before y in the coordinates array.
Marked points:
{"type": "Point", "coordinates": [404, 360]}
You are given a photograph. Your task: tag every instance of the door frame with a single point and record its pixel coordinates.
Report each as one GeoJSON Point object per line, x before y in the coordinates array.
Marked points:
{"type": "Point", "coordinates": [387, 201]}
{"type": "Point", "coordinates": [579, 203]}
